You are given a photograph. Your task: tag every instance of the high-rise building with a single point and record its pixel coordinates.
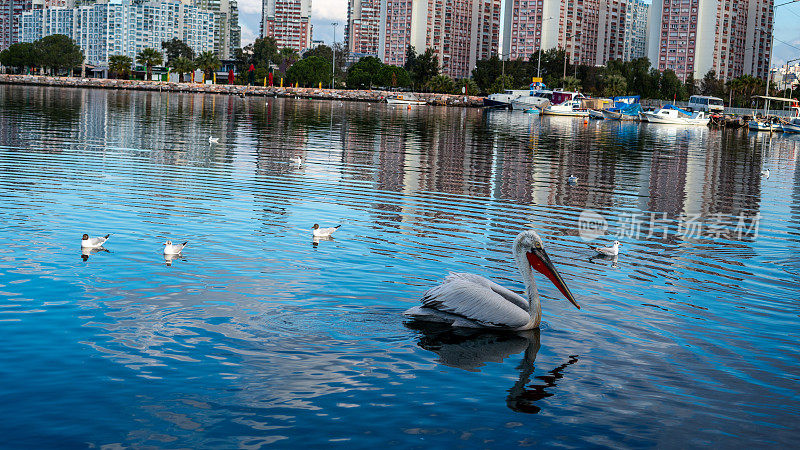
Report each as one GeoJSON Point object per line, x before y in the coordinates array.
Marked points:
{"type": "Point", "coordinates": [228, 32]}
{"type": "Point", "coordinates": [691, 37]}
{"type": "Point", "coordinates": [459, 32]}
{"type": "Point", "coordinates": [288, 21]}
{"type": "Point", "coordinates": [635, 45]}
{"type": "Point", "coordinates": [362, 32]}
{"type": "Point", "coordinates": [122, 27]}
{"type": "Point", "coordinates": [10, 20]}
{"type": "Point", "coordinates": [591, 31]}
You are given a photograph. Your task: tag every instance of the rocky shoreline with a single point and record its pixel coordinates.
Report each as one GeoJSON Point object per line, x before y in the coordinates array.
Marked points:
{"type": "Point", "coordinates": [226, 89]}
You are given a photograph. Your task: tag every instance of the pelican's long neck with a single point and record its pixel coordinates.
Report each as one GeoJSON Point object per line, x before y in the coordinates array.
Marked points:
{"type": "Point", "coordinates": [531, 291]}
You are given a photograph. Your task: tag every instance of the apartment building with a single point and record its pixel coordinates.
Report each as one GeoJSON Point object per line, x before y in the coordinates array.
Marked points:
{"type": "Point", "coordinates": [288, 22]}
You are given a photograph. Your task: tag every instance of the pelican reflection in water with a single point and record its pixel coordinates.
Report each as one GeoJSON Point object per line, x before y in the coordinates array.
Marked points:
{"type": "Point", "coordinates": [470, 349]}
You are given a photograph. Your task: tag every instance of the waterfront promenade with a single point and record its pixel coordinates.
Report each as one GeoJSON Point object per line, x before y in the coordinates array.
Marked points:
{"type": "Point", "coordinates": [231, 89]}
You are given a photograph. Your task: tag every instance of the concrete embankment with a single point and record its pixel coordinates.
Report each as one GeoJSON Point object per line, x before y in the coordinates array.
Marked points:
{"type": "Point", "coordinates": [226, 89]}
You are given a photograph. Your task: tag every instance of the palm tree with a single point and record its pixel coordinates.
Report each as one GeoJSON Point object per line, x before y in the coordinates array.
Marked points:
{"type": "Point", "coordinates": [149, 57]}
{"type": "Point", "coordinates": [615, 85]}
{"type": "Point", "coordinates": [182, 65]}
{"type": "Point", "coordinates": [572, 84]}
{"type": "Point", "coordinates": [207, 62]}
{"type": "Point", "coordinates": [120, 65]}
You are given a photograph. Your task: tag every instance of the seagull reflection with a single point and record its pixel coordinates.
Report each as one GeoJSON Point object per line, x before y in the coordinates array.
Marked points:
{"type": "Point", "coordinates": [86, 252]}
{"type": "Point", "coordinates": [603, 259]}
{"type": "Point", "coordinates": [471, 349]}
{"type": "Point", "coordinates": [315, 240]}
{"type": "Point", "coordinates": [168, 258]}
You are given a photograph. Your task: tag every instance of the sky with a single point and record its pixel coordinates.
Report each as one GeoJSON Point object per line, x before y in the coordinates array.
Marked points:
{"type": "Point", "coordinates": [324, 12]}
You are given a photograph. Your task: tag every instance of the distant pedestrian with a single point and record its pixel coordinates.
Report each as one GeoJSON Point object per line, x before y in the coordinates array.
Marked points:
{"type": "Point", "coordinates": [251, 74]}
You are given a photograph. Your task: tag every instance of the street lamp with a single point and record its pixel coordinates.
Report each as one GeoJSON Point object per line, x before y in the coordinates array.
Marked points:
{"type": "Point", "coordinates": [786, 75]}
{"type": "Point", "coordinates": [333, 60]}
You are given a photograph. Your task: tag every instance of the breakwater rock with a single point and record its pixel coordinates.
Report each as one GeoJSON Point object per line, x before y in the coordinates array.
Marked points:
{"type": "Point", "coordinates": [231, 89]}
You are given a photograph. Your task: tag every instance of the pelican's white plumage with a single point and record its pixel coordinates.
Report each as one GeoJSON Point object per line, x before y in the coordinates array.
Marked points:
{"type": "Point", "coordinates": [469, 300]}
{"type": "Point", "coordinates": [173, 249]}
{"type": "Point", "coordinates": [608, 251]}
{"type": "Point", "coordinates": [323, 232]}
{"type": "Point", "coordinates": [95, 242]}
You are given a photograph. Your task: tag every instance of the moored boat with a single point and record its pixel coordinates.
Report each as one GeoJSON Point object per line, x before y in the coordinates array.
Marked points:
{"type": "Point", "coordinates": [793, 126]}
{"type": "Point", "coordinates": [596, 114]}
{"type": "Point", "coordinates": [405, 98]}
{"type": "Point", "coordinates": [503, 99]}
{"type": "Point", "coordinates": [572, 108]}
{"type": "Point", "coordinates": [764, 125]}
{"type": "Point", "coordinates": [670, 114]}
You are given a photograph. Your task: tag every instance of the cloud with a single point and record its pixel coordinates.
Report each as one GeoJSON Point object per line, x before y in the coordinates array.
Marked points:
{"type": "Point", "coordinates": [250, 6]}
{"type": "Point", "coordinates": [248, 35]}
{"type": "Point", "coordinates": [329, 9]}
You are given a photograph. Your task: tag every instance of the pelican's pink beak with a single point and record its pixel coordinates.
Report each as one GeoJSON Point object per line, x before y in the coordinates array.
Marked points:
{"type": "Point", "coordinates": [539, 260]}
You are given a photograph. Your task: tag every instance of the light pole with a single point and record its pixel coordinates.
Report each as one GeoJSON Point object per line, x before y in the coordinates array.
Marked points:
{"type": "Point", "coordinates": [539, 59]}
{"type": "Point", "coordinates": [786, 75]}
{"type": "Point", "coordinates": [333, 59]}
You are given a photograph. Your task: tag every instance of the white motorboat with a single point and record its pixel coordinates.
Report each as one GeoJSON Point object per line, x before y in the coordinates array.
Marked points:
{"type": "Point", "coordinates": [536, 99]}
{"type": "Point", "coordinates": [572, 108]}
{"type": "Point", "coordinates": [503, 99]}
{"type": "Point", "coordinates": [406, 98]}
{"type": "Point", "coordinates": [595, 114]}
{"type": "Point", "coordinates": [673, 115]}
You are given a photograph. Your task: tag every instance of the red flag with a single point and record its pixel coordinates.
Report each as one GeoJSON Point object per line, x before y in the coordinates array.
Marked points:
{"type": "Point", "coordinates": [270, 79]}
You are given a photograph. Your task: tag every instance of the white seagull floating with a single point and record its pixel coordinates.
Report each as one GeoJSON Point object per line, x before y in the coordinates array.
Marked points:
{"type": "Point", "coordinates": [213, 140]}
{"type": "Point", "coordinates": [608, 251]}
{"type": "Point", "coordinates": [323, 232]}
{"type": "Point", "coordinates": [468, 300]}
{"type": "Point", "coordinates": [765, 173]}
{"type": "Point", "coordinates": [297, 160]}
{"type": "Point", "coordinates": [96, 242]}
{"type": "Point", "coordinates": [173, 249]}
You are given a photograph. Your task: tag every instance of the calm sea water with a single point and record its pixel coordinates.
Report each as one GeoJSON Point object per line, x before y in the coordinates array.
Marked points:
{"type": "Point", "coordinates": [259, 336]}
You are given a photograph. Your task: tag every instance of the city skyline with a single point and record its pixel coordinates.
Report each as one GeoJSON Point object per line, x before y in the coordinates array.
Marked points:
{"type": "Point", "coordinates": [786, 46]}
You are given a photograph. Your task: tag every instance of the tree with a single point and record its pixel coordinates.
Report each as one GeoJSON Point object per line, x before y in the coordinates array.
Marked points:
{"type": "Point", "coordinates": [615, 84]}
{"type": "Point", "coordinates": [176, 48]}
{"type": "Point", "coordinates": [287, 56]}
{"type": "Point", "coordinates": [309, 72]}
{"type": "Point", "coordinates": [182, 65]}
{"type": "Point", "coordinates": [411, 58]}
{"type": "Point", "coordinates": [364, 73]}
{"type": "Point", "coordinates": [441, 84]}
{"type": "Point", "coordinates": [571, 84]}
{"type": "Point", "coordinates": [500, 84]}
{"type": "Point", "coordinates": [20, 56]}
{"type": "Point", "coordinates": [208, 62]}
{"type": "Point", "coordinates": [120, 65]}
{"type": "Point", "coordinates": [149, 57]}
{"type": "Point", "coordinates": [424, 67]}
{"type": "Point", "coordinates": [486, 72]}
{"type": "Point", "coordinates": [393, 77]}
{"type": "Point", "coordinates": [711, 85]}
{"type": "Point", "coordinates": [472, 87]}
{"type": "Point", "coordinates": [323, 51]}
{"type": "Point", "coordinates": [58, 52]}
{"type": "Point", "coordinates": [671, 86]}
{"type": "Point", "coordinates": [689, 87]}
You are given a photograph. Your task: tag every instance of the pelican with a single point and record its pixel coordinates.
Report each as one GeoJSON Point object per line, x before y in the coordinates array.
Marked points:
{"type": "Point", "coordinates": [608, 251]}
{"type": "Point", "coordinates": [97, 242]}
{"type": "Point", "coordinates": [323, 232]}
{"type": "Point", "coordinates": [173, 249]}
{"type": "Point", "coordinates": [213, 140]}
{"type": "Point", "coordinates": [765, 173]}
{"type": "Point", "coordinates": [468, 300]}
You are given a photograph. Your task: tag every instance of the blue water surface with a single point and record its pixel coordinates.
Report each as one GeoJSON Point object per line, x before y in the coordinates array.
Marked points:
{"type": "Point", "coordinates": [258, 335]}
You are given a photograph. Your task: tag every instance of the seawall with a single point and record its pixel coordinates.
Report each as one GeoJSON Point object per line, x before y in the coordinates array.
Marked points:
{"type": "Point", "coordinates": [227, 89]}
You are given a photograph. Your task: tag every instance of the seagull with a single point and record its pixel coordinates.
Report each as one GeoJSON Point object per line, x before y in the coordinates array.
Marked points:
{"type": "Point", "coordinates": [297, 160]}
{"type": "Point", "coordinates": [97, 242]}
{"type": "Point", "coordinates": [765, 173]}
{"type": "Point", "coordinates": [323, 232]}
{"type": "Point", "coordinates": [608, 251]}
{"type": "Point", "coordinates": [213, 140]}
{"type": "Point", "coordinates": [173, 249]}
{"type": "Point", "coordinates": [572, 179]}
{"type": "Point", "coordinates": [468, 300]}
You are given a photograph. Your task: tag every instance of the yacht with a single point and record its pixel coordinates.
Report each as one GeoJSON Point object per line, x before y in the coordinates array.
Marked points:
{"type": "Point", "coordinates": [406, 98]}
{"type": "Point", "coordinates": [565, 103]}
{"type": "Point", "coordinates": [503, 99]}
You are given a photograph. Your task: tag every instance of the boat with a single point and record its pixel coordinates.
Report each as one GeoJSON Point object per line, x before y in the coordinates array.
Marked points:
{"type": "Point", "coordinates": [793, 126]}
{"type": "Point", "coordinates": [565, 103]}
{"type": "Point", "coordinates": [533, 111]}
{"type": "Point", "coordinates": [671, 114]}
{"type": "Point", "coordinates": [406, 98]}
{"type": "Point", "coordinates": [596, 114]}
{"type": "Point", "coordinates": [503, 99]}
{"type": "Point", "coordinates": [764, 125]}
{"type": "Point", "coordinates": [538, 97]}
{"type": "Point", "coordinates": [630, 113]}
